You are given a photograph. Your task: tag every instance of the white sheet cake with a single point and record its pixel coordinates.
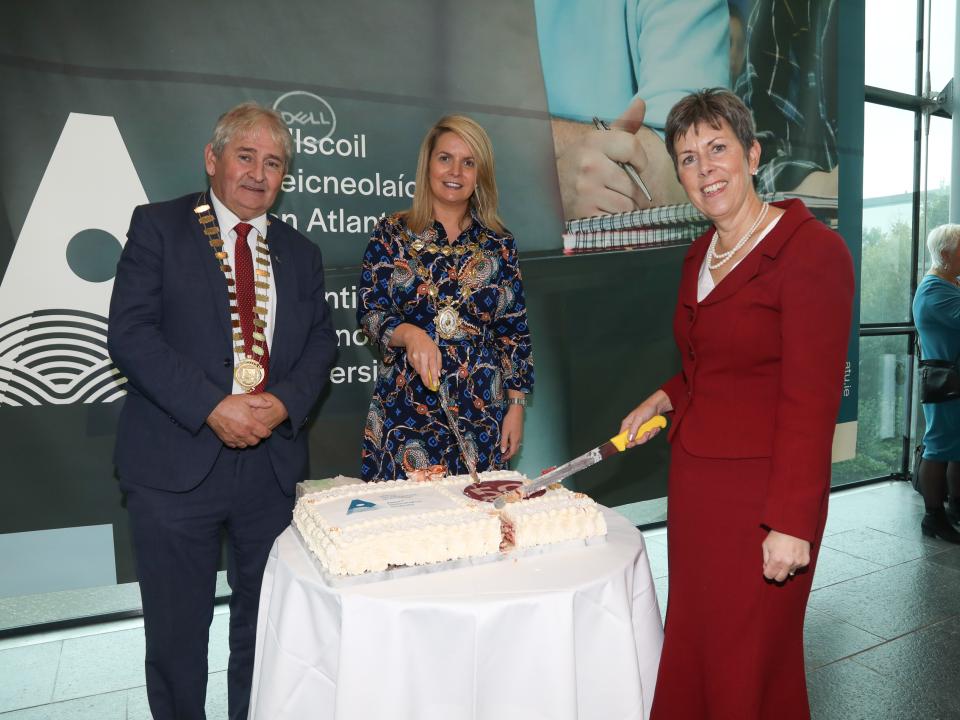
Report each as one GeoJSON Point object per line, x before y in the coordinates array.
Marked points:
{"type": "Point", "coordinates": [370, 527]}
{"type": "Point", "coordinates": [557, 516]}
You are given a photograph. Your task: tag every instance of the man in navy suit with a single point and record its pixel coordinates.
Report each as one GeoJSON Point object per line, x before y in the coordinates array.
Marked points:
{"type": "Point", "coordinates": [219, 322]}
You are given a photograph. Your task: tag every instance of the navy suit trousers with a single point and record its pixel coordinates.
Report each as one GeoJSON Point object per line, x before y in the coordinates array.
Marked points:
{"type": "Point", "coordinates": [177, 540]}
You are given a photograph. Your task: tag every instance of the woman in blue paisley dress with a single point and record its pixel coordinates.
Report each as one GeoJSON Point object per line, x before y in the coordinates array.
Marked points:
{"type": "Point", "coordinates": [441, 296]}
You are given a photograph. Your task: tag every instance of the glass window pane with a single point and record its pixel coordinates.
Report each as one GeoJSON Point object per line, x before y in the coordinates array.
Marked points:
{"type": "Point", "coordinates": [22, 611]}
{"type": "Point", "coordinates": [880, 412]}
{"type": "Point", "coordinates": [887, 214]}
{"type": "Point", "coordinates": [935, 183]}
{"type": "Point", "coordinates": [891, 49]}
{"type": "Point", "coordinates": [941, 19]}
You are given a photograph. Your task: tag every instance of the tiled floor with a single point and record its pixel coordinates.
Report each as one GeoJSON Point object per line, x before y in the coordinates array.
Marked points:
{"type": "Point", "coordinates": [94, 673]}
{"type": "Point", "coordinates": [882, 632]}
{"type": "Point", "coordinates": [883, 624]}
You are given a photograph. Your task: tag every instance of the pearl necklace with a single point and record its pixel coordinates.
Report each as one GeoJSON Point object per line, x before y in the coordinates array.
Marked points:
{"type": "Point", "coordinates": [722, 258]}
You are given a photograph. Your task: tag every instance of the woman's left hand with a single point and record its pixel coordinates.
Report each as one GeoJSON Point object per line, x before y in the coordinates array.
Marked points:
{"type": "Point", "coordinates": [511, 432]}
{"type": "Point", "coordinates": [783, 555]}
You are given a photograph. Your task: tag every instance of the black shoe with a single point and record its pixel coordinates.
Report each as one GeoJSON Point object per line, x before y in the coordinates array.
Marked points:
{"type": "Point", "coordinates": [953, 511]}
{"type": "Point", "coordinates": [935, 524]}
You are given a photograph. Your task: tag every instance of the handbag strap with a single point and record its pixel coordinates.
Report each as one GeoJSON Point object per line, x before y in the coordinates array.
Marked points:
{"type": "Point", "coordinates": [932, 363]}
{"type": "Point", "coordinates": [946, 364]}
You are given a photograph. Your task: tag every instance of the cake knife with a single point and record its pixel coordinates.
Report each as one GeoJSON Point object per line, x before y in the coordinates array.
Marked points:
{"type": "Point", "coordinates": [467, 456]}
{"type": "Point", "coordinates": [611, 447]}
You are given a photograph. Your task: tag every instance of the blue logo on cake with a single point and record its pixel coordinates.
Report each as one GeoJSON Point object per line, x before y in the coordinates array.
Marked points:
{"type": "Point", "coordinates": [358, 505]}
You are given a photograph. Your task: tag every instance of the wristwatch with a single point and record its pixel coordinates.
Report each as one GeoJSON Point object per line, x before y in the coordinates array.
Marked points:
{"type": "Point", "coordinates": [521, 401]}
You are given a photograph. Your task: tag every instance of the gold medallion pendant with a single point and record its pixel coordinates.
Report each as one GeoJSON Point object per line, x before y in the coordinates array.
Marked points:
{"type": "Point", "coordinates": [447, 322]}
{"type": "Point", "coordinates": [249, 373]}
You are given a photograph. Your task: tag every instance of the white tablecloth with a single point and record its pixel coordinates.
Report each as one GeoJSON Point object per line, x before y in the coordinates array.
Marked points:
{"type": "Point", "coordinates": [573, 633]}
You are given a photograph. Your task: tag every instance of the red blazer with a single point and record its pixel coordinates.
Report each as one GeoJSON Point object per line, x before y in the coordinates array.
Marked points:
{"type": "Point", "coordinates": [763, 360]}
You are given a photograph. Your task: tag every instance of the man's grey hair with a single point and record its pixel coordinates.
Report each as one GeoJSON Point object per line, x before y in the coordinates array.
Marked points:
{"type": "Point", "coordinates": [246, 117]}
{"type": "Point", "coordinates": [942, 240]}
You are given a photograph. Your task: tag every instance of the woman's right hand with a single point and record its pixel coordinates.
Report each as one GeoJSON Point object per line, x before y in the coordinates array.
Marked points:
{"type": "Point", "coordinates": [656, 404]}
{"type": "Point", "coordinates": [422, 352]}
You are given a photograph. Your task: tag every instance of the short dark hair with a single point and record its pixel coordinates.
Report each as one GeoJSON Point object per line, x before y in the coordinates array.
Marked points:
{"type": "Point", "coordinates": [709, 106]}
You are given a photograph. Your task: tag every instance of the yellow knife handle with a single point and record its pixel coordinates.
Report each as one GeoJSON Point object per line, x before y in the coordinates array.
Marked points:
{"type": "Point", "coordinates": [657, 421]}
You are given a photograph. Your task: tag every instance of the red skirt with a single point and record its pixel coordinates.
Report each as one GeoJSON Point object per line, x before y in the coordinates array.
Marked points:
{"type": "Point", "coordinates": [733, 645]}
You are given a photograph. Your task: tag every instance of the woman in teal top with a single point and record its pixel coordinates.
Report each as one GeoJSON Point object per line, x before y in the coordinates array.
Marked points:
{"type": "Point", "coordinates": [936, 311]}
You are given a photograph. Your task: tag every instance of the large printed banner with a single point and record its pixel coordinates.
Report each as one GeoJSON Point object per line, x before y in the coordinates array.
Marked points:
{"type": "Point", "coordinates": [611, 79]}
{"type": "Point", "coordinates": [108, 105]}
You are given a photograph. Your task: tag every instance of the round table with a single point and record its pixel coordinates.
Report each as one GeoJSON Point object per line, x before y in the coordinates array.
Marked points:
{"type": "Point", "coordinates": [569, 633]}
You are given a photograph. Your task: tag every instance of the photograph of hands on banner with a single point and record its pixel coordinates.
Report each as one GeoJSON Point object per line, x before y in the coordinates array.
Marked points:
{"type": "Point", "coordinates": [609, 89]}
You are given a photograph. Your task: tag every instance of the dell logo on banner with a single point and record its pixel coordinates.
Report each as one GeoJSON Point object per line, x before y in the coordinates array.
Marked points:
{"type": "Point", "coordinates": [299, 107]}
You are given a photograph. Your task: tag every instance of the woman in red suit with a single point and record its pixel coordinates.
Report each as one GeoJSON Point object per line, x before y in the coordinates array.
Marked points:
{"type": "Point", "coordinates": [762, 323]}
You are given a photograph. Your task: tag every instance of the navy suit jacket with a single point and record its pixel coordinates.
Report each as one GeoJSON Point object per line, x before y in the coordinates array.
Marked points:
{"type": "Point", "coordinates": [170, 335]}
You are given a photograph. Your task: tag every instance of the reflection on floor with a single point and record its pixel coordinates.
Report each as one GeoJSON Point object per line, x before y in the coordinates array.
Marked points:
{"type": "Point", "coordinates": [882, 633]}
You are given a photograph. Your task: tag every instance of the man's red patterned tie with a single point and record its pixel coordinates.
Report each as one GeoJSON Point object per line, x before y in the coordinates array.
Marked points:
{"type": "Point", "coordinates": [246, 299]}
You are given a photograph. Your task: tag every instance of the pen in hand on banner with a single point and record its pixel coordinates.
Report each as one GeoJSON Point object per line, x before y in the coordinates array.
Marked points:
{"type": "Point", "coordinates": [627, 167]}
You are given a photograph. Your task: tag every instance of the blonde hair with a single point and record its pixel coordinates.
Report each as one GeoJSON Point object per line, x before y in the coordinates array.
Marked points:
{"type": "Point", "coordinates": [247, 117]}
{"type": "Point", "coordinates": [484, 199]}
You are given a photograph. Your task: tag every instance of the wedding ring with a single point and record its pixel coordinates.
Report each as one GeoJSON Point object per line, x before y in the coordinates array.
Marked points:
{"type": "Point", "coordinates": [792, 572]}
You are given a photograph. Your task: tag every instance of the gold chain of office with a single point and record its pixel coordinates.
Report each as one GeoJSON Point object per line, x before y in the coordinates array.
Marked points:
{"type": "Point", "coordinates": [248, 370]}
{"type": "Point", "coordinates": [447, 321]}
